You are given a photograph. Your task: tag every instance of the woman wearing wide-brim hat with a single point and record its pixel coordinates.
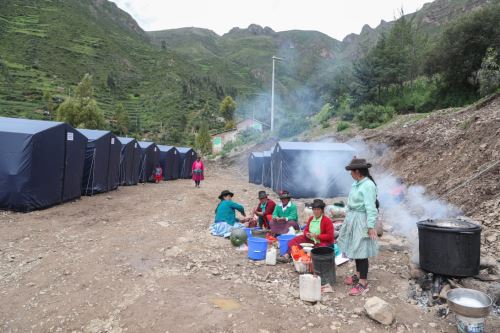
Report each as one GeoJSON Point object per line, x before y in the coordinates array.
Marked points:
{"type": "Point", "coordinates": [284, 216]}
{"type": "Point", "coordinates": [318, 230]}
{"type": "Point", "coordinates": [358, 236]}
{"type": "Point", "coordinates": [225, 215]}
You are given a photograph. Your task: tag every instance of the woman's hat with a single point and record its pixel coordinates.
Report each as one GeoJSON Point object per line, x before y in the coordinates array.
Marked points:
{"type": "Point", "coordinates": [285, 195]}
{"type": "Point", "coordinates": [262, 194]}
{"type": "Point", "coordinates": [224, 193]}
{"type": "Point", "coordinates": [358, 163]}
{"type": "Point", "coordinates": [318, 203]}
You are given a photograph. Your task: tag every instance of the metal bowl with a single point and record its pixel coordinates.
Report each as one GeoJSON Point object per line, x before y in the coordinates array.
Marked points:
{"type": "Point", "coordinates": [469, 303]}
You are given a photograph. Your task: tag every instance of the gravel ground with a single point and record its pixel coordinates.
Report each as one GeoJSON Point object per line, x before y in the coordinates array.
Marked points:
{"type": "Point", "coordinates": [141, 259]}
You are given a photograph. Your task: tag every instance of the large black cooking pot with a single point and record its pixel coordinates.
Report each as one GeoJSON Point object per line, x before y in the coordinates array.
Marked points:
{"type": "Point", "coordinates": [449, 247]}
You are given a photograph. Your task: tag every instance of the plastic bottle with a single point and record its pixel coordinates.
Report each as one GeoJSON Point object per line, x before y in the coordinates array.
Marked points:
{"type": "Point", "coordinates": [271, 256]}
{"type": "Point", "coordinates": [310, 288]}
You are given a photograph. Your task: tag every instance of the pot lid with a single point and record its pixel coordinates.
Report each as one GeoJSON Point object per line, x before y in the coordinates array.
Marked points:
{"type": "Point", "coordinates": [449, 223]}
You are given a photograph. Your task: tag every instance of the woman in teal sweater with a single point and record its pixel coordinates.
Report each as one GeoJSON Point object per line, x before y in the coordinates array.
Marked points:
{"type": "Point", "coordinates": [225, 215]}
{"type": "Point", "coordinates": [358, 236]}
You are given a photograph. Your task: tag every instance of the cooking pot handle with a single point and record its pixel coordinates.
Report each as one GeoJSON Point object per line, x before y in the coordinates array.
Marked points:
{"type": "Point", "coordinates": [466, 233]}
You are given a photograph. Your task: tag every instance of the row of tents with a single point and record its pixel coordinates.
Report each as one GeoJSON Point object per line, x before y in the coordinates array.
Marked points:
{"type": "Point", "coordinates": [305, 169]}
{"type": "Point", "coordinates": [44, 163]}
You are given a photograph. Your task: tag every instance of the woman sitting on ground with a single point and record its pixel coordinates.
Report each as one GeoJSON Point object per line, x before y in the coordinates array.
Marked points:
{"type": "Point", "coordinates": [264, 210]}
{"type": "Point", "coordinates": [284, 215]}
{"type": "Point", "coordinates": [225, 215]}
{"type": "Point", "coordinates": [318, 231]}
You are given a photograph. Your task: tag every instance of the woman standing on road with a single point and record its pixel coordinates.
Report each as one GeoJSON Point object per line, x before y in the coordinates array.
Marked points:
{"type": "Point", "coordinates": [358, 236]}
{"type": "Point", "coordinates": [198, 169]}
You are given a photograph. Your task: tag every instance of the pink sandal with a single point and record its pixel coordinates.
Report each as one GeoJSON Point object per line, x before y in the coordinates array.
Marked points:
{"type": "Point", "coordinates": [358, 290]}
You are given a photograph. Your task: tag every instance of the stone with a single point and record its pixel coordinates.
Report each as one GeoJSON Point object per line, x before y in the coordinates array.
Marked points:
{"type": "Point", "coordinates": [381, 289]}
{"type": "Point", "coordinates": [416, 325]}
{"type": "Point", "coordinates": [433, 325]}
{"type": "Point", "coordinates": [415, 271]}
{"type": "Point", "coordinates": [379, 310]}
{"type": "Point", "coordinates": [357, 311]}
{"type": "Point", "coordinates": [491, 238]}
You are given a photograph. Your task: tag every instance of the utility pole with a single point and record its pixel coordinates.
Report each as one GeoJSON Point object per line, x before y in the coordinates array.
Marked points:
{"type": "Point", "coordinates": [272, 93]}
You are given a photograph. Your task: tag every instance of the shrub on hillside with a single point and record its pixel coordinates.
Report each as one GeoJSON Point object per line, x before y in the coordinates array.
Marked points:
{"type": "Point", "coordinates": [342, 126]}
{"type": "Point", "coordinates": [372, 116]}
{"type": "Point", "coordinates": [292, 126]}
{"type": "Point", "coordinates": [489, 74]}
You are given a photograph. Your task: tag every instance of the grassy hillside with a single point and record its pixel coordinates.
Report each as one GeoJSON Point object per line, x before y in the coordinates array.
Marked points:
{"type": "Point", "coordinates": [50, 45]}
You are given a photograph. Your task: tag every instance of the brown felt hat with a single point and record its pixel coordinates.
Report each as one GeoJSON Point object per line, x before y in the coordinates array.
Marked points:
{"type": "Point", "coordinates": [224, 193]}
{"type": "Point", "coordinates": [285, 195]}
{"type": "Point", "coordinates": [358, 163]}
{"type": "Point", "coordinates": [262, 194]}
{"type": "Point", "coordinates": [318, 203]}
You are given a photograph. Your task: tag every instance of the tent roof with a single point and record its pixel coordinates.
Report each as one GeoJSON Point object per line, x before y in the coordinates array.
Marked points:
{"type": "Point", "coordinates": [183, 149]}
{"type": "Point", "coordinates": [165, 148]}
{"type": "Point", "coordinates": [323, 146]}
{"type": "Point", "coordinates": [125, 140]}
{"type": "Point", "coordinates": [93, 134]}
{"type": "Point", "coordinates": [267, 153]}
{"type": "Point", "coordinates": [257, 154]}
{"type": "Point", "coordinates": [26, 126]}
{"type": "Point", "coordinates": [145, 144]}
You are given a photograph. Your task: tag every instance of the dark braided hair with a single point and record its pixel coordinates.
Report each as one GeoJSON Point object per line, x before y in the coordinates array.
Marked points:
{"type": "Point", "coordinates": [366, 173]}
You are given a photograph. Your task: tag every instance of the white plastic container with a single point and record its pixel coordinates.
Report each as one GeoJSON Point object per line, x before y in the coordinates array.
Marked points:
{"type": "Point", "coordinates": [271, 256]}
{"type": "Point", "coordinates": [310, 288]}
{"type": "Point", "coordinates": [470, 325]}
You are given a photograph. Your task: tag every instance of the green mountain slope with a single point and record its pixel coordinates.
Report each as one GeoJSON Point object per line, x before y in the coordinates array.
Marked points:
{"type": "Point", "coordinates": [50, 45]}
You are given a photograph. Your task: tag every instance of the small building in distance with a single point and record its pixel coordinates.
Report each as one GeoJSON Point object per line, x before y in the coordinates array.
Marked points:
{"type": "Point", "coordinates": [222, 138]}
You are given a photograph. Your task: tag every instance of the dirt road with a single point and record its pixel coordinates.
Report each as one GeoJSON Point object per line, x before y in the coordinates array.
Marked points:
{"type": "Point", "coordinates": [141, 259]}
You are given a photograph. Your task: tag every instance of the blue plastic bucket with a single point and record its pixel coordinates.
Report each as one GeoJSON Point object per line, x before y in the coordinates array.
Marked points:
{"type": "Point", "coordinates": [249, 232]}
{"type": "Point", "coordinates": [283, 240]}
{"type": "Point", "coordinates": [257, 248]}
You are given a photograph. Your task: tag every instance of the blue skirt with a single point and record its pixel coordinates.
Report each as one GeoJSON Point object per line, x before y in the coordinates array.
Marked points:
{"type": "Point", "coordinates": [353, 239]}
{"type": "Point", "coordinates": [223, 229]}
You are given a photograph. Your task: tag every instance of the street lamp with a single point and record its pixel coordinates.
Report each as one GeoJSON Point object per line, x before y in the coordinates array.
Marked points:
{"type": "Point", "coordinates": [272, 94]}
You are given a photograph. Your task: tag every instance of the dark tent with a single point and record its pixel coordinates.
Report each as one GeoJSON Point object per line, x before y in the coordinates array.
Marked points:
{"type": "Point", "coordinates": [266, 168]}
{"type": "Point", "coordinates": [169, 160]}
{"type": "Point", "coordinates": [150, 157]}
{"type": "Point", "coordinates": [130, 161]}
{"type": "Point", "coordinates": [255, 164]}
{"type": "Point", "coordinates": [311, 169]}
{"type": "Point", "coordinates": [187, 156]}
{"type": "Point", "coordinates": [41, 163]}
{"type": "Point", "coordinates": [102, 162]}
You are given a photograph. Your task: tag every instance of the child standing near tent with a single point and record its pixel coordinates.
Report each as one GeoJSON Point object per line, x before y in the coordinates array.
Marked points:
{"type": "Point", "coordinates": [198, 170]}
{"type": "Point", "coordinates": [157, 173]}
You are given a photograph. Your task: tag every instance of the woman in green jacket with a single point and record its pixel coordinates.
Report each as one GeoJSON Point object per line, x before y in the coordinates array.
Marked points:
{"type": "Point", "coordinates": [225, 215]}
{"type": "Point", "coordinates": [358, 236]}
{"type": "Point", "coordinates": [284, 215]}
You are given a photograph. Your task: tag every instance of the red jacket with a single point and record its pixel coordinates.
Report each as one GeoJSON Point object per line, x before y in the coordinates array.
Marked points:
{"type": "Point", "coordinates": [269, 209]}
{"type": "Point", "coordinates": [326, 237]}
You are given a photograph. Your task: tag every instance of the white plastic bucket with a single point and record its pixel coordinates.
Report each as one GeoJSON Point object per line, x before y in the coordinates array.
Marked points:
{"type": "Point", "coordinates": [470, 325]}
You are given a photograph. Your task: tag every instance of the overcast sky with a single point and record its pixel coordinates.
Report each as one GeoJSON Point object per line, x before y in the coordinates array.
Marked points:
{"type": "Point", "coordinates": [336, 18]}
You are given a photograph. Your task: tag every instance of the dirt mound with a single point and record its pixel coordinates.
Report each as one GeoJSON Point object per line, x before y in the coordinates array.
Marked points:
{"type": "Point", "coordinates": [455, 153]}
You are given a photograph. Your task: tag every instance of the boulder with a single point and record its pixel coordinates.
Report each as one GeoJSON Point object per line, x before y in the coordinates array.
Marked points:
{"type": "Point", "coordinates": [379, 310]}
